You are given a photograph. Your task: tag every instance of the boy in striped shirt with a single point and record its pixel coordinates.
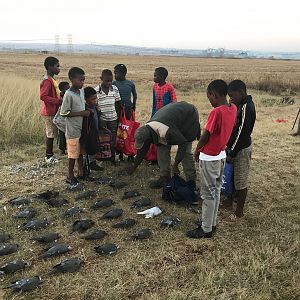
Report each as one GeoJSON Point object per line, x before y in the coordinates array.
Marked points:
{"type": "Point", "coordinates": [109, 105]}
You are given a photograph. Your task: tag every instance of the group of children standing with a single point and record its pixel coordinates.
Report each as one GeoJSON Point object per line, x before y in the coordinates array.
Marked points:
{"type": "Point", "coordinates": [226, 136]}
{"type": "Point", "coordinates": [103, 104]}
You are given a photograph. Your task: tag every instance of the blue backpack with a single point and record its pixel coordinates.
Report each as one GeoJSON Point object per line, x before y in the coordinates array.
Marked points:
{"type": "Point", "coordinates": [228, 183]}
{"type": "Point", "coordinates": [179, 191]}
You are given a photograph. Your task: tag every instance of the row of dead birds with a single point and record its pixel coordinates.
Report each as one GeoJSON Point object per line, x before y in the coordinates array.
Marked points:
{"type": "Point", "coordinates": [73, 264]}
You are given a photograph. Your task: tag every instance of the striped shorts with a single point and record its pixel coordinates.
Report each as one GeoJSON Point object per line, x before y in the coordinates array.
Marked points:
{"type": "Point", "coordinates": [241, 167]}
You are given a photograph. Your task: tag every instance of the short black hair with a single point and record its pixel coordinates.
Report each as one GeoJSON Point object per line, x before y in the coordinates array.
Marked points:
{"type": "Point", "coordinates": [121, 69]}
{"type": "Point", "coordinates": [62, 85]}
{"type": "Point", "coordinates": [237, 85]}
{"type": "Point", "coordinates": [218, 86]}
{"type": "Point", "coordinates": [106, 72]}
{"type": "Point", "coordinates": [162, 72]}
{"type": "Point", "coordinates": [50, 61]}
{"type": "Point", "coordinates": [89, 91]}
{"type": "Point", "coordinates": [74, 72]}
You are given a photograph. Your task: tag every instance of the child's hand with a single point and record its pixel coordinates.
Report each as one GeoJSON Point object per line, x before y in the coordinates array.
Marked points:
{"type": "Point", "coordinates": [229, 159]}
{"type": "Point", "coordinates": [85, 113]}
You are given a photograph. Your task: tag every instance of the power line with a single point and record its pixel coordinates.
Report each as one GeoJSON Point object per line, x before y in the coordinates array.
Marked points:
{"type": "Point", "coordinates": [32, 40]}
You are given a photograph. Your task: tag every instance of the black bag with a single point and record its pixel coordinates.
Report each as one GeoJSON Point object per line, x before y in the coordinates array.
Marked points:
{"type": "Point", "coordinates": [179, 191]}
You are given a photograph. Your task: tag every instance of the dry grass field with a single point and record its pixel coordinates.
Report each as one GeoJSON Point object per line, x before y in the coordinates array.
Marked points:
{"type": "Point", "coordinates": [256, 259]}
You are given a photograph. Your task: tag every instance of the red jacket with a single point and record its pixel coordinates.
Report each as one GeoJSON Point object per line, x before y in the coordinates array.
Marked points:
{"type": "Point", "coordinates": [48, 95]}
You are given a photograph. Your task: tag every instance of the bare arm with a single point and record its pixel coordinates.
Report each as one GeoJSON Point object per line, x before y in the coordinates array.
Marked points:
{"type": "Point", "coordinates": [83, 113]}
{"type": "Point", "coordinates": [201, 143]}
{"type": "Point", "coordinates": [134, 97]}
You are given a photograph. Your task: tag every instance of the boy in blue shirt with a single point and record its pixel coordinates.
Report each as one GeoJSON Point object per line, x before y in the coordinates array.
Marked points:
{"type": "Point", "coordinates": [127, 93]}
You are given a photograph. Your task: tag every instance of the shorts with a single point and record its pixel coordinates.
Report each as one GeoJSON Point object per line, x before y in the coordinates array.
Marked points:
{"type": "Point", "coordinates": [51, 129]}
{"type": "Point", "coordinates": [74, 148]}
{"type": "Point", "coordinates": [241, 168]}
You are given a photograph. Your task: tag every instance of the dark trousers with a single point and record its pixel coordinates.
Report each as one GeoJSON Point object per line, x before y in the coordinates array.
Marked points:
{"type": "Point", "coordinates": [128, 112]}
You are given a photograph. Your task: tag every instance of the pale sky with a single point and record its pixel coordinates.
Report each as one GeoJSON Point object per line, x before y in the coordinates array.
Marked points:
{"type": "Point", "coordinates": [233, 24]}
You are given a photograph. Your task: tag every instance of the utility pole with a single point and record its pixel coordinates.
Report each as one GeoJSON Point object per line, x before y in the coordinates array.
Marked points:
{"type": "Point", "coordinates": [57, 45]}
{"type": "Point", "coordinates": [70, 43]}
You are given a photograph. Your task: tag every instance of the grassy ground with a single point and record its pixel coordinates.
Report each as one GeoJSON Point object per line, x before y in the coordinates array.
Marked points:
{"type": "Point", "coordinates": [256, 259]}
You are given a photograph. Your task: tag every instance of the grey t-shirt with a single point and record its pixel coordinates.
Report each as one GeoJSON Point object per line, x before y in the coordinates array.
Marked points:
{"type": "Point", "coordinates": [126, 89]}
{"type": "Point", "coordinates": [73, 102]}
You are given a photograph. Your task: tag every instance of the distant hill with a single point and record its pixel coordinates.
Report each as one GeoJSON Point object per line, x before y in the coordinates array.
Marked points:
{"type": "Point", "coordinates": [131, 50]}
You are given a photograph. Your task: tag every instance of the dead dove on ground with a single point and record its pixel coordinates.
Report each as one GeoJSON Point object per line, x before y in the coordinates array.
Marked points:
{"type": "Point", "coordinates": [25, 285]}
{"type": "Point", "coordinates": [151, 212]}
{"type": "Point", "coordinates": [86, 195]}
{"type": "Point", "coordinates": [73, 211]}
{"type": "Point", "coordinates": [6, 249]}
{"type": "Point", "coordinates": [107, 249]}
{"type": "Point", "coordinates": [127, 223]}
{"type": "Point", "coordinates": [67, 266]}
{"type": "Point", "coordinates": [131, 194]}
{"type": "Point", "coordinates": [34, 225]}
{"type": "Point", "coordinates": [97, 234]}
{"type": "Point", "coordinates": [141, 203]}
{"type": "Point", "coordinates": [20, 201]}
{"type": "Point", "coordinates": [13, 266]}
{"type": "Point", "coordinates": [4, 237]}
{"type": "Point", "coordinates": [118, 184]}
{"type": "Point", "coordinates": [113, 214]}
{"type": "Point", "coordinates": [170, 222]}
{"type": "Point", "coordinates": [48, 194]}
{"type": "Point", "coordinates": [82, 225]}
{"type": "Point", "coordinates": [142, 234]}
{"type": "Point", "coordinates": [47, 237]}
{"type": "Point", "coordinates": [26, 213]}
{"type": "Point", "coordinates": [56, 202]}
{"type": "Point", "coordinates": [102, 203]}
{"type": "Point", "coordinates": [56, 250]}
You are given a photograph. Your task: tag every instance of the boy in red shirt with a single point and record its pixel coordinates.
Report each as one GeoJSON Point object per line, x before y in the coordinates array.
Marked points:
{"type": "Point", "coordinates": [163, 92]}
{"type": "Point", "coordinates": [51, 100]}
{"type": "Point", "coordinates": [212, 156]}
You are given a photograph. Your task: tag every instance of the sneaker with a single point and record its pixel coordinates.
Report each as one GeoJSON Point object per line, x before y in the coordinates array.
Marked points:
{"type": "Point", "coordinates": [72, 181]}
{"type": "Point", "coordinates": [199, 224]}
{"type": "Point", "coordinates": [159, 183]}
{"type": "Point", "coordinates": [51, 160]}
{"type": "Point", "coordinates": [233, 218]}
{"type": "Point", "coordinates": [198, 233]}
{"type": "Point", "coordinates": [95, 167]}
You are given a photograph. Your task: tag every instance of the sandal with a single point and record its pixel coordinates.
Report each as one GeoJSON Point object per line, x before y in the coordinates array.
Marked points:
{"type": "Point", "coordinates": [233, 218]}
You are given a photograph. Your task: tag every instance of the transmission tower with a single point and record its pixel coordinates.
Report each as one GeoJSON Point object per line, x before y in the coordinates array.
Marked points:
{"type": "Point", "coordinates": [70, 43]}
{"type": "Point", "coordinates": [57, 45]}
